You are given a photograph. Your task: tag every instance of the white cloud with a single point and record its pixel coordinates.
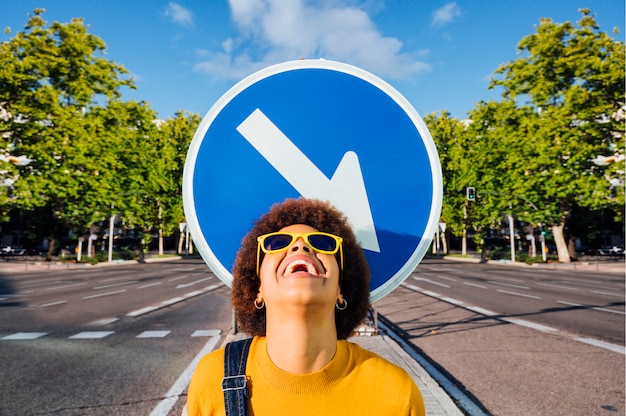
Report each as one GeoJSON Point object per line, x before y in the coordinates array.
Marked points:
{"type": "Point", "coordinates": [273, 31]}
{"type": "Point", "coordinates": [179, 14]}
{"type": "Point", "coordinates": [445, 14]}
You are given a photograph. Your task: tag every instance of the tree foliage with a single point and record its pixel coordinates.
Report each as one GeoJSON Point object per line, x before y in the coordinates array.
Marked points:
{"type": "Point", "coordinates": [72, 150]}
{"type": "Point", "coordinates": [553, 144]}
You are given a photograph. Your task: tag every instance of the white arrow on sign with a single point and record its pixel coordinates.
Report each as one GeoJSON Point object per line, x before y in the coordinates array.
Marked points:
{"type": "Point", "coordinates": [346, 189]}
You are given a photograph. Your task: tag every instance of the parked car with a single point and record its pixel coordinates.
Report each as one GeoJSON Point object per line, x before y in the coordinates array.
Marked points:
{"type": "Point", "coordinates": [12, 251]}
{"type": "Point", "coordinates": [611, 251]}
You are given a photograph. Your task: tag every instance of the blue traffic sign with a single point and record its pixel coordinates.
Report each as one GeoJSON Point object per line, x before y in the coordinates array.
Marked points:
{"type": "Point", "coordinates": [318, 129]}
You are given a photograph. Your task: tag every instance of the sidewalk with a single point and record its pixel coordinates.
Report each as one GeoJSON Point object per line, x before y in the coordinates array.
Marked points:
{"type": "Point", "coordinates": [609, 265]}
{"type": "Point", "coordinates": [17, 264]}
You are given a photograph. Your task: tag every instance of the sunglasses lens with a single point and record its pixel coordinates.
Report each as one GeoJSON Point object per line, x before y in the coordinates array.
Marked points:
{"type": "Point", "coordinates": [277, 242]}
{"type": "Point", "coordinates": [323, 242]}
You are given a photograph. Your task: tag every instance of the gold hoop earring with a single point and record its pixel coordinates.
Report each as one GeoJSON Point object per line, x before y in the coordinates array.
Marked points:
{"type": "Point", "coordinates": [259, 305]}
{"type": "Point", "coordinates": [341, 304]}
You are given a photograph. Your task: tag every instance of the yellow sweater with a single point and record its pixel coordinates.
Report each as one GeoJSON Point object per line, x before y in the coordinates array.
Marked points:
{"type": "Point", "coordinates": [355, 382]}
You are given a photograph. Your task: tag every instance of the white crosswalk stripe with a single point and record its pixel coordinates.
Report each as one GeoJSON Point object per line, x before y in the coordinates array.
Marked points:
{"type": "Point", "coordinates": [30, 336]}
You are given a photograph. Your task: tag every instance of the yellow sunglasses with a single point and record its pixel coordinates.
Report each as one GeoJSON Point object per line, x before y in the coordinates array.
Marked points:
{"type": "Point", "coordinates": [320, 242]}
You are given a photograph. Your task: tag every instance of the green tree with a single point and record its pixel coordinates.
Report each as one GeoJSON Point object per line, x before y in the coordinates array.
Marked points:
{"type": "Point", "coordinates": [569, 85]}
{"type": "Point", "coordinates": [54, 80]}
{"type": "Point", "coordinates": [154, 181]}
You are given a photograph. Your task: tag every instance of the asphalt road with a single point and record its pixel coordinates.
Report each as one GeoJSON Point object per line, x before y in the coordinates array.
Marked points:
{"type": "Point", "coordinates": [106, 341]}
{"type": "Point", "coordinates": [123, 339]}
{"type": "Point", "coordinates": [585, 302]}
{"type": "Point", "coordinates": [518, 350]}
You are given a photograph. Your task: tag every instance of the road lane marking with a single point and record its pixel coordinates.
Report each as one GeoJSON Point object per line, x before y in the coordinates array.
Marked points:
{"type": "Point", "coordinates": [60, 302]}
{"type": "Point", "coordinates": [482, 311]}
{"type": "Point", "coordinates": [512, 279]}
{"type": "Point", "coordinates": [91, 335]}
{"type": "Point", "coordinates": [65, 286]}
{"type": "Point", "coordinates": [591, 307]}
{"type": "Point", "coordinates": [142, 311]}
{"type": "Point", "coordinates": [115, 284]}
{"type": "Point", "coordinates": [475, 285]}
{"type": "Point", "coordinates": [206, 332]}
{"type": "Point", "coordinates": [557, 286]}
{"type": "Point", "coordinates": [171, 301]}
{"type": "Point", "coordinates": [153, 334]}
{"type": "Point", "coordinates": [508, 285]}
{"type": "Point", "coordinates": [20, 336]}
{"type": "Point", "coordinates": [105, 321]}
{"type": "Point", "coordinates": [453, 301]}
{"type": "Point", "coordinates": [54, 282]}
{"type": "Point", "coordinates": [112, 279]}
{"type": "Point", "coordinates": [589, 286]}
{"type": "Point", "coordinates": [184, 276]}
{"type": "Point", "coordinates": [172, 395]}
{"type": "Point", "coordinates": [606, 345]}
{"type": "Point", "coordinates": [149, 285]}
{"type": "Point", "coordinates": [528, 324]}
{"type": "Point", "coordinates": [99, 295]}
{"type": "Point", "coordinates": [184, 285]}
{"type": "Point", "coordinates": [430, 281]}
{"type": "Point", "coordinates": [619, 295]}
{"type": "Point", "coordinates": [543, 328]}
{"type": "Point", "coordinates": [518, 294]}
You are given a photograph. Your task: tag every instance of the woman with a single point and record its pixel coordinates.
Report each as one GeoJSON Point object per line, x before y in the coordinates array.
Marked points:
{"type": "Point", "coordinates": [300, 287]}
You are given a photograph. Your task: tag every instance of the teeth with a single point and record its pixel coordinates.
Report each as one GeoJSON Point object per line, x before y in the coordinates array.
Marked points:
{"type": "Point", "coordinates": [311, 269]}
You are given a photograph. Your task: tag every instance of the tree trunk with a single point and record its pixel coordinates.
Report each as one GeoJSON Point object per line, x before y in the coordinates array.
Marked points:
{"type": "Point", "coordinates": [181, 240]}
{"type": "Point", "coordinates": [160, 216]}
{"type": "Point", "coordinates": [561, 244]}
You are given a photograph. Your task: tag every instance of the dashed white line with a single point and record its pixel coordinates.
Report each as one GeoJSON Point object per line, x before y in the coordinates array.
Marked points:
{"type": "Point", "coordinates": [130, 282]}
{"type": "Point", "coordinates": [91, 335]}
{"type": "Point", "coordinates": [153, 334]}
{"type": "Point", "coordinates": [149, 285]}
{"type": "Point", "coordinates": [104, 294]}
{"type": "Point", "coordinates": [475, 285]}
{"type": "Point", "coordinates": [431, 282]}
{"type": "Point", "coordinates": [508, 285]}
{"type": "Point", "coordinates": [524, 295]}
{"type": "Point", "coordinates": [65, 286]}
{"type": "Point", "coordinates": [20, 336]}
{"type": "Point", "coordinates": [183, 285]}
{"type": "Point", "coordinates": [173, 279]}
{"type": "Point", "coordinates": [60, 302]}
{"type": "Point", "coordinates": [512, 279]}
{"type": "Point", "coordinates": [557, 286]}
{"type": "Point", "coordinates": [619, 295]}
{"type": "Point", "coordinates": [170, 302]}
{"type": "Point", "coordinates": [206, 333]}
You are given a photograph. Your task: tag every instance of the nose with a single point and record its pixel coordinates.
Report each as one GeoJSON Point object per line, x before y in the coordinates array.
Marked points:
{"type": "Point", "coordinates": [300, 244]}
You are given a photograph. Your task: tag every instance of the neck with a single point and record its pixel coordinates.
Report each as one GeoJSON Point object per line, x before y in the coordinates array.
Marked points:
{"type": "Point", "coordinates": [298, 343]}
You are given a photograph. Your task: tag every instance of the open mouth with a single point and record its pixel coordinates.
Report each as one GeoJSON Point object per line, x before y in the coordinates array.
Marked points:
{"type": "Point", "coordinates": [301, 266]}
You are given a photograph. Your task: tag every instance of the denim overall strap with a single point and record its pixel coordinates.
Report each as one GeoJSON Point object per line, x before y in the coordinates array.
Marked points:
{"type": "Point", "coordinates": [235, 384]}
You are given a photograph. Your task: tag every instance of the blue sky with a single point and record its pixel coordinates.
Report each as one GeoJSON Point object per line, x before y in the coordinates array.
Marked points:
{"type": "Point", "coordinates": [185, 54]}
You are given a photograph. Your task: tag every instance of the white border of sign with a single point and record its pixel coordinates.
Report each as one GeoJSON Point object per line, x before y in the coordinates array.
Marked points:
{"type": "Point", "coordinates": [188, 198]}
